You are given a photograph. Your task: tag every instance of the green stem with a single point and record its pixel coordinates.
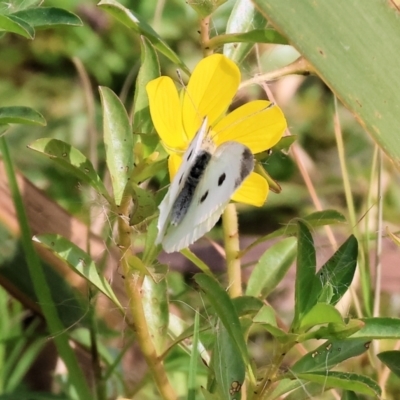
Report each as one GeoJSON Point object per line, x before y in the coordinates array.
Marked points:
{"type": "Point", "coordinates": [349, 198]}
{"type": "Point", "coordinates": [265, 388]}
{"type": "Point", "coordinates": [378, 258]}
{"type": "Point", "coordinates": [40, 284]}
{"type": "Point", "coordinates": [342, 160]}
{"type": "Point", "coordinates": [365, 273]}
{"type": "Point", "coordinates": [95, 359]}
{"type": "Point", "coordinates": [133, 287]}
{"type": "Point", "coordinates": [231, 241]}
{"type": "Point", "coordinates": [219, 40]}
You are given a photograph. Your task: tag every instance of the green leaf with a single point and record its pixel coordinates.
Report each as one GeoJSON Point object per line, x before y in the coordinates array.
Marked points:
{"type": "Point", "coordinates": [349, 395]}
{"type": "Point", "coordinates": [43, 17]}
{"type": "Point", "coordinates": [251, 37]}
{"type": "Point", "coordinates": [71, 159]}
{"type": "Point", "coordinates": [271, 268]}
{"type": "Point", "coordinates": [207, 395]}
{"type": "Point", "coordinates": [144, 205]}
{"type": "Point", "coordinates": [138, 25]}
{"type": "Point", "coordinates": [244, 17]}
{"type": "Point", "coordinates": [247, 305]}
{"type": "Point", "coordinates": [21, 115]}
{"type": "Point", "coordinates": [334, 331]}
{"type": "Point", "coordinates": [225, 310]}
{"type": "Point", "coordinates": [391, 359]}
{"type": "Point", "coordinates": [71, 307]}
{"type": "Point", "coordinates": [305, 285]}
{"type": "Point", "coordinates": [279, 334]}
{"type": "Point", "coordinates": [320, 314]}
{"type": "Point", "coordinates": [148, 167]}
{"type": "Point", "coordinates": [379, 328]}
{"type": "Point", "coordinates": [256, 36]}
{"type": "Point", "coordinates": [227, 364]}
{"type": "Point", "coordinates": [16, 25]}
{"type": "Point", "coordinates": [79, 261]}
{"type": "Point", "coordinates": [266, 317]}
{"type": "Point", "coordinates": [344, 380]}
{"type": "Point", "coordinates": [298, 389]}
{"type": "Point", "coordinates": [155, 307]}
{"type": "Point", "coordinates": [282, 146]}
{"type": "Point", "coordinates": [149, 70]}
{"type": "Point", "coordinates": [200, 264]}
{"type": "Point", "coordinates": [157, 272]}
{"type": "Point", "coordinates": [151, 251]}
{"type": "Point", "coordinates": [343, 62]}
{"type": "Point", "coordinates": [338, 272]}
{"type": "Point", "coordinates": [205, 8]}
{"type": "Point", "coordinates": [118, 140]}
{"type": "Point", "coordinates": [329, 355]}
{"type": "Point", "coordinates": [25, 360]}
{"type": "Point", "coordinates": [317, 219]}
{"type": "Point", "coordinates": [294, 386]}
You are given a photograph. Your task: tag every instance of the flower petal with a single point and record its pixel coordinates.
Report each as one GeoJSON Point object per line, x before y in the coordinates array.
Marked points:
{"type": "Point", "coordinates": [210, 91]}
{"type": "Point", "coordinates": [253, 125]}
{"type": "Point", "coordinates": [174, 162]}
{"type": "Point", "coordinates": [253, 191]}
{"type": "Point", "coordinates": [165, 110]}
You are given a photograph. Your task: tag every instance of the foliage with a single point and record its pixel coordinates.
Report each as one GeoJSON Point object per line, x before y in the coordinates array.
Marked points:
{"type": "Point", "coordinates": [198, 338]}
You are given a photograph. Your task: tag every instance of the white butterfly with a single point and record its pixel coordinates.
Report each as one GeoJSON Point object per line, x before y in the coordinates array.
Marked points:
{"type": "Point", "coordinates": [201, 189]}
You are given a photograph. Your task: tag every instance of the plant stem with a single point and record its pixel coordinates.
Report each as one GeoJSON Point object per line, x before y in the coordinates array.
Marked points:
{"type": "Point", "coordinates": [343, 167]}
{"type": "Point", "coordinates": [350, 207]}
{"type": "Point", "coordinates": [378, 255]}
{"type": "Point", "coordinates": [231, 240]}
{"type": "Point", "coordinates": [133, 287]}
{"type": "Point", "coordinates": [265, 387]}
{"type": "Point", "coordinates": [94, 350]}
{"type": "Point", "coordinates": [299, 67]}
{"type": "Point", "coordinates": [204, 36]}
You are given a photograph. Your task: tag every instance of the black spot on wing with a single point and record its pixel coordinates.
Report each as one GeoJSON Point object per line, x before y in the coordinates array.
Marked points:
{"type": "Point", "coordinates": [202, 198]}
{"type": "Point", "coordinates": [190, 155]}
{"type": "Point", "coordinates": [180, 179]}
{"type": "Point", "coordinates": [221, 179]}
{"type": "Point", "coordinates": [246, 166]}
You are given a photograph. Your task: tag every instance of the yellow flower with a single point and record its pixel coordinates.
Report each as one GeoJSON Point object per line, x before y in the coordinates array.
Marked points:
{"type": "Point", "coordinates": [211, 88]}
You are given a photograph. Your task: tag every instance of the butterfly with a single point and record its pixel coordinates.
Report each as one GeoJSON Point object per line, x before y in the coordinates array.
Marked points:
{"type": "Point", "coordinates": [201, 189]}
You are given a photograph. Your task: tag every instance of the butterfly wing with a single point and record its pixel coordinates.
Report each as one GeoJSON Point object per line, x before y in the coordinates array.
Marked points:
{"type": "Point", "coordinates": [229, 166]}
{"type": "Point", "coordinates": [177, 183]}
